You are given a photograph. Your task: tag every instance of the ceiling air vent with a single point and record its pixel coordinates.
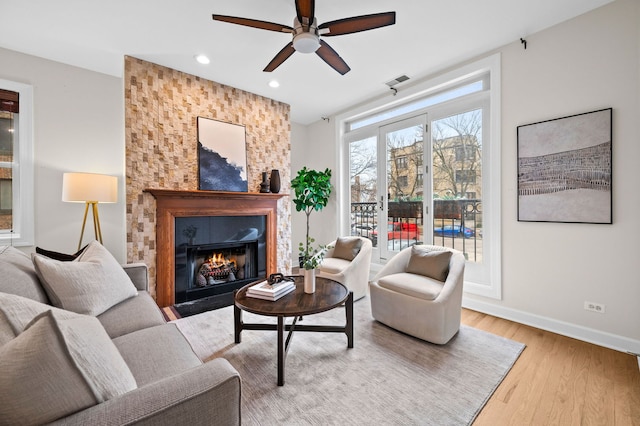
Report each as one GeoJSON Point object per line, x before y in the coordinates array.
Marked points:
{"type": "Point", "coordinates": [397, 80]}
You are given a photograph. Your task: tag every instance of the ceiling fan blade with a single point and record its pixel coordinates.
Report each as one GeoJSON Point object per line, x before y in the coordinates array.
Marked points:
{"type": "Point", "coordinates": [282, 56]}
{"type": "Point", "coordinates": [357, 23]}
{"type": "Point", "coordinates": [263, 25]}
{"type": "Point", "coordinates": [332, 58]}
{"type": "Point", "coordinates": [305, 9]}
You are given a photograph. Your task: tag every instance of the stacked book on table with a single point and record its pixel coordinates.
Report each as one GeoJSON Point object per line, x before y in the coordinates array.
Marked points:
{"type": "Point", "coordinates": [272, 292]}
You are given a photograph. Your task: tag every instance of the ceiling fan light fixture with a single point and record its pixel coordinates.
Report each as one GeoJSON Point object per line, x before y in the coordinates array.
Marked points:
{"type": "Point", "coordinates": [306, 42]}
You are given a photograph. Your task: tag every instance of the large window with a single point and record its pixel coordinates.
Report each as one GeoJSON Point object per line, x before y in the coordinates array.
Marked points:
{"type": "Point", "coordinates": [426, 170]}
{"type": "Point", "coordinates": [16, 164]}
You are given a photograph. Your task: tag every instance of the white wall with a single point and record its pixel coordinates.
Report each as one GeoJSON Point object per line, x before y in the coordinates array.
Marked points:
{"type": "Point", "coordinates": [78, 126]}
{"type": "Point", "coordinates": [314, 147]}
{"type": "Point", "coordinates": [549, 269]}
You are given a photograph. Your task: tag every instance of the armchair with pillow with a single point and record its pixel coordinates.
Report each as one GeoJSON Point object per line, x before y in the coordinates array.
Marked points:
{"type": "Point", "coordinates": [348, 262]}
{"type": "Point", "coordinates": [82, 342]}
{"type": "Point", "coordinates": [419, 292]}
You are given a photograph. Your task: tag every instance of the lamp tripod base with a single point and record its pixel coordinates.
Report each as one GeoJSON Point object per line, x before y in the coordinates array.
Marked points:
{"type": "Point", "coordinates": [96, 222]}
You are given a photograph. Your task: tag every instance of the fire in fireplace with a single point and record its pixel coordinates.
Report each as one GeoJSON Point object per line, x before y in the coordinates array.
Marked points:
{"type": "Point", "coordinates": [224, 254]}
{"type": "Point", "coordinates": [214, 265]}
{"type": "Point", "coordinates": [220, 267]}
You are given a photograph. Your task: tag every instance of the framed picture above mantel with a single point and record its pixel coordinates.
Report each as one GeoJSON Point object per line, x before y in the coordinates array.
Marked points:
{"type": "Point", "coordinates": [222, 156]}
{"type": "Point", "coordinates": [565, 169]}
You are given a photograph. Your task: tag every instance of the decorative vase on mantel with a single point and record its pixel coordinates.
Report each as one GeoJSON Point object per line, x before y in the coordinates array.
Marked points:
{"type": "Point", "coordinates": [264, 186]}
{"type": "Point", "coordinates": [274, 181]}
{"type": "Point", "coordinates": [309, 281]}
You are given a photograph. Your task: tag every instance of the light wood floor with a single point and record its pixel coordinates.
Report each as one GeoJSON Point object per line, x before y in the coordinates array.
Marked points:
{"type": "Point", "coordinates": [560, 381]}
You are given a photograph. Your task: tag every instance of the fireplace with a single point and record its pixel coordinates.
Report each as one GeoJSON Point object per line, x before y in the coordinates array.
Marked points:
{"type": "Point", "coordinates": [193, 225]}
{"type": "Point", "coordinates": [215, 255]}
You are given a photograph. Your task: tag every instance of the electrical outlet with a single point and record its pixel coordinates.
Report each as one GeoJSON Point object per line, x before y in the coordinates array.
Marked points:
{"type": "Point", "coordinates": [594, 307]}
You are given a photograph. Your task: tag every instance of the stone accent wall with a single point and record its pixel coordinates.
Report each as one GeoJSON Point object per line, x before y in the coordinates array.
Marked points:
{"type": "Point", "coordinates": [161, 107]}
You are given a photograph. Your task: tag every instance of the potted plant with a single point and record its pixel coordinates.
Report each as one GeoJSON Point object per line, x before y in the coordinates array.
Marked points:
{"type": "Point", "coordinates": [312, 190]}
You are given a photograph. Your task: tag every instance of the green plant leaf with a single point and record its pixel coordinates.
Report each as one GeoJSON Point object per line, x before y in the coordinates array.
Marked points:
{"type": "Point", "coordinates": [312, 189]}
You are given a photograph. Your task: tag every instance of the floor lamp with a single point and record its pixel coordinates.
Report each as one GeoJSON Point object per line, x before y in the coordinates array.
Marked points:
{"type": "Point", "coordinates": [91, 189]}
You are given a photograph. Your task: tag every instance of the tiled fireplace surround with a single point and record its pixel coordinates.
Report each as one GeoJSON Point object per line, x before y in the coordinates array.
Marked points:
{"type": "Point", "coordinates": [161, 107]}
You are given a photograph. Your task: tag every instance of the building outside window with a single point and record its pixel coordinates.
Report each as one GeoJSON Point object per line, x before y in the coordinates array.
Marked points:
{"type": "Point", "coordinates": [405, 167]}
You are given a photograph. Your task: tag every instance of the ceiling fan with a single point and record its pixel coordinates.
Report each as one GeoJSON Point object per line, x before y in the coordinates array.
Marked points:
{"type": "Point", "coordinates": [306, 33]}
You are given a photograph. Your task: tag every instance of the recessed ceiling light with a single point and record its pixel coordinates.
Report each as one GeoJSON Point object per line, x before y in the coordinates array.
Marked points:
{"type": "Point", "coordinates": [274, 84]}
{"type": "Point", "coordinates": [203, 59]}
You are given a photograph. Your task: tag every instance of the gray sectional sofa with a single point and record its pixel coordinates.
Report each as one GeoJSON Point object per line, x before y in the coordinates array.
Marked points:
{"type": "Point", "coordinates": [163, 381]}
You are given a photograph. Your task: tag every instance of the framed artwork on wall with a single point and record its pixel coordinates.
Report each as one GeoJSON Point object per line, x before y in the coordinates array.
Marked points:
{"type": "Point", "coordinates": [565, 169]}
{"type": "Point", "coordinates": [222, 156]}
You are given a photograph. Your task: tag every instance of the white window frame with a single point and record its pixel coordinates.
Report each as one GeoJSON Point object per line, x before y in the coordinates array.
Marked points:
{"type": "Point", "coordinates": [22, 233]}
{"type": "Point", "coordinates": [487, 278]}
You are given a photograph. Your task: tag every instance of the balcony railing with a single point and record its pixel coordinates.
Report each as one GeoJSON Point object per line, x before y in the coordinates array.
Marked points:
{"type": "Point", "coordinates": [456, 224]}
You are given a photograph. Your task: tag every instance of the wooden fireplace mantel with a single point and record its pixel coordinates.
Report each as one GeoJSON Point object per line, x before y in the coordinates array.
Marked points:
{"type": "Point", "coordinates": [174, 203]}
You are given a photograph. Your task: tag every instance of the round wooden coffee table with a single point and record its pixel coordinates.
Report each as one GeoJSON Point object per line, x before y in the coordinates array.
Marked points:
{"type": "Point", "coordinates": [329, 294]}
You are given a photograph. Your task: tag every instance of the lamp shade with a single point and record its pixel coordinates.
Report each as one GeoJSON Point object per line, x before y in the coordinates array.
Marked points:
{"type": "Point", "coordinates": [89, 187]}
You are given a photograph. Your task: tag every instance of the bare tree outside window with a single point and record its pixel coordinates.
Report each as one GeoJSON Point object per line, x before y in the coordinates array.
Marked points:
{"type": "Point", "coordinates": [457, 155]}
{"type": "Point", "coordinates": [405, 150]}
{"type": "Point", "coordinates": [362, 170]}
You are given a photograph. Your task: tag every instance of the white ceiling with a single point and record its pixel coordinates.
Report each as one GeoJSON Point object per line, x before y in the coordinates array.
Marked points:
{"type": "Point", "coordinates": [428, 36]}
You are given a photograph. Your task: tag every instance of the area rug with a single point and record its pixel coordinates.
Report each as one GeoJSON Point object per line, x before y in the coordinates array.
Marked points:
{"type": "Point", "coordinates": [388, 378]}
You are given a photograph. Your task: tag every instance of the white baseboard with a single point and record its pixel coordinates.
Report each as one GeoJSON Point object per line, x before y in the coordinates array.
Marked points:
{"type": "Point", "coordinates": [601, 338]}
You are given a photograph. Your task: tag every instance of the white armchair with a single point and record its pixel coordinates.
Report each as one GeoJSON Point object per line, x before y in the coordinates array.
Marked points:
{"type": "Point", "coordinates": [419, 292]}
{"type": "Point", "coordinates": [348, 262]}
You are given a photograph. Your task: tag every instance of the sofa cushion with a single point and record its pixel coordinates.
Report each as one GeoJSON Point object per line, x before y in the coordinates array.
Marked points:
{"type": "Point", "coordinates": [19, 311]}
{"type": "Point", "coordinates": [90, 284]}
{"type": "Point", "coordinates": [19, 276]}
{"type": "Point", "coordinates": [133, 314]}
{"type": "Point", "coordinates": [156, 353]}
{"type": "Point", "coordinates": [57, 367]}
{"type": "Point", "coordinates": [334, 265]}
{"type": "Point", "coordinates": [430, 263]}
{"type": "Point", "coordinates": [412, 285]}
{"type": "Point", "coordinates": [347, 248]}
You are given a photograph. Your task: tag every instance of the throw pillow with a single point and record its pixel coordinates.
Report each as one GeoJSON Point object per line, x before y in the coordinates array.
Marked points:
{"type": "Point", "coordinates": [430, 263]}
{"type": "Point", "coordinates": [19, 276]}
{"type": "Point", "coordinates": [347, 248]}
{"type": "Point", "coordinates": [19, 311]}
{"type": "Point", "coordinates": [6, 331]}
{"type": "Point", "coordinates": [90, 284]}
{"type": "Point", "coordinates": [60, 256]}
{"type": "Point", "coordinates": [57, 367]}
